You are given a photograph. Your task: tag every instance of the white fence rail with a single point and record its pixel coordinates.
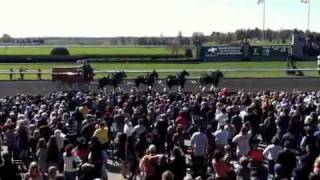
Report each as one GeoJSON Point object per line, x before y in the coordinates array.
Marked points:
{"type": "Point", "coordinates": [164, 71]}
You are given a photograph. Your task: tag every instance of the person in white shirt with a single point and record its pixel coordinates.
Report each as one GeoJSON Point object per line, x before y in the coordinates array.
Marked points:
{"type": "Point", "coordinates": [140, 128]}
{"type": "Point", "coordinates": [128, 128]}
{"type": "Point", "coordinates": [71, 163]}
{"type": "Point", "coordinates": [272, 152]}
{"type": "Point", "coordinates": [242, 142]}
{"type": "Point", "coordinates": [222, 137]}
{"type": "Point", "coordinates": [221, 117]}
{"type": "Point", "coordinates": [199, 144]}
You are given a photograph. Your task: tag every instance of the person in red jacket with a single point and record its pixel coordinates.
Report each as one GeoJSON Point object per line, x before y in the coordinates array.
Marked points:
{"type": "Point", "coordinates": [182, 120]}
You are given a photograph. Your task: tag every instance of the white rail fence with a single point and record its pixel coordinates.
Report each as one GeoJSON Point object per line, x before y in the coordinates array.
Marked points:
{"type": "Point", "coordinates": [36, 73]}
{"type": "Point", "coordinates": [165, 71]}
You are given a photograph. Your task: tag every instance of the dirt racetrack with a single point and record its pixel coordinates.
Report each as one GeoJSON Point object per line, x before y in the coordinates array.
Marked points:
{"type": "Point", "coordinates": [11, 88]}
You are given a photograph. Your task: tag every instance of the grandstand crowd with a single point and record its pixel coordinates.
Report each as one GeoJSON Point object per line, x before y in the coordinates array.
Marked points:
{"type": "Point", "coordinates": [152, 135]}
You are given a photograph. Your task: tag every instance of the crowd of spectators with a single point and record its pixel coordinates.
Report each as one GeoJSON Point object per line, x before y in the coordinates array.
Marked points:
{"type": "Point", "coordinates": [152, 135]}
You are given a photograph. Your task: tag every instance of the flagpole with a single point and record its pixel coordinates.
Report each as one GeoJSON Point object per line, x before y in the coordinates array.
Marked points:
{"type": "Point", "coordinates": [309, 1]}
{"type": "Point", "coordinates": [264, 19]}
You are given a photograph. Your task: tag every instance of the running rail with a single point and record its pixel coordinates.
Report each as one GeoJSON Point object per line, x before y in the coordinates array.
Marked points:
{"type": "Point", "coordinates": [162, 71]}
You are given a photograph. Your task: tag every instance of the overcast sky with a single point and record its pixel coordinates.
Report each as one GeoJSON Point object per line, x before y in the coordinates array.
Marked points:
{"type": "Point", "coordinates": [106, 18]}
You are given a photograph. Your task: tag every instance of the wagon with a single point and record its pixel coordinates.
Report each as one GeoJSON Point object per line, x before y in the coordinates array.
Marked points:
{"type": "Point", "coordinates": [69, 75]}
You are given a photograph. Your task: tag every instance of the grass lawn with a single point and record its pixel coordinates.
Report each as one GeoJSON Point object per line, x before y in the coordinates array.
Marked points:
{"type": "Point", "coordinates": [200, 67]}
{"type": "Point", "coordinates": [38, 50]}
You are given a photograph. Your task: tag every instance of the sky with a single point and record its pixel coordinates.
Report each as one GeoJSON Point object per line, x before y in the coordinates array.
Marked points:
{"type": "Point", "coordinates": [108, 18]}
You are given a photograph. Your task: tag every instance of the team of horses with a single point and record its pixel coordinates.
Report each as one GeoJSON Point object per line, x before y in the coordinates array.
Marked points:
{"type": "Point", "coordinates": [115, 79]}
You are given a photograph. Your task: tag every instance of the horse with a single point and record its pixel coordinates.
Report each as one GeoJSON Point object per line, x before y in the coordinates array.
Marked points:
{"type": "Point", "coordinates": [212, 78]}
{"type": "Point", "coordinates": [114, 80]}
{"type": "Point", "coordinates": [177, 80]}
{"type": "Point", "coordinates": [148, 79]}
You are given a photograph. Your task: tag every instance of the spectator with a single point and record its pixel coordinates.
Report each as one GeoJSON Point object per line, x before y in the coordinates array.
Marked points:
{"type": "Point", "coordinates": [242, 142]}
{"type": "Point", "coordinates": [287, 160]}
{"type": "Point", "coordinates": [243, 171]}
{"type": "Point", "coordinates": [34, 173]}
{"type": "Point", "coordinates": [102, 134]}
{"type": "Point", "coordinates": [7, 169]}
{"type": "Point", "coordinates": [11, 74]}
{"type": "Point", "coordinates": [220, 167]}
{"type": "Point", "coordinates": [52, 173]}
{"type": "Point", "coordinates": [178, 164]}
{"type": "Point", "coordinates": [96, 157]}
{"type": "Point", "coordinates": [147, 168]}
{"type": "Point", "coordinates": [71, 163]}
{"type": "Point", "coordinates": [53, 158]}
{"type": "Point", "coordinates": [199, 145]}
{"type": "Point", "coordinates": [167, 175]}
{"type": "Point", "coordinates": [222, 137]}
{"type": "Point", "coordinates": [272, 152]}
{"type": "Point", "coordinates": [42, 155]}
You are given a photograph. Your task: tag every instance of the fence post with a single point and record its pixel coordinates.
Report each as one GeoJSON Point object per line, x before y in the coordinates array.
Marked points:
{"type": "Point", "coordinates": [318, 64]}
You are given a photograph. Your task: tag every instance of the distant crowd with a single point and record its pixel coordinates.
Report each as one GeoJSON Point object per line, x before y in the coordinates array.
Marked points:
{"type": "Point", "coordinates": [166, 136]}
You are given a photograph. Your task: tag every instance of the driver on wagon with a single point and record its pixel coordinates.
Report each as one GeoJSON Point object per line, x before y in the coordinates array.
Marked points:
{"type": "Point", "coordinates": [87, 70]}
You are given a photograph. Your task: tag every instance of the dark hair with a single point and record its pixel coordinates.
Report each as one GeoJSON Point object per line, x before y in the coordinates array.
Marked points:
{"type": "Point", "coordinates": [69, 149]}
{"type": "Point", "coordinates": [177, 152]}
{"type": "Point", "coordinates": [218, 155]}
{"type": "Point", "coordinates": [42, 143]}
{"type": "Point", "coordinates": [275, 140]}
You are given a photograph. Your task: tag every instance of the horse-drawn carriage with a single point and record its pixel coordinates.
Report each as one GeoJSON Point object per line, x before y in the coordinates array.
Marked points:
{"type": "Point", "coordinates": [70, 75]}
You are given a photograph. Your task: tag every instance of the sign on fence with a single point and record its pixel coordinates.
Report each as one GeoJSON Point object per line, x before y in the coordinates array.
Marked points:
{"type": "Point", "coordinates": [221, 51]}
{"type": "Point", "coordinates": [270, 51]}
{"type": "Point", "coordinates": [266, 52]}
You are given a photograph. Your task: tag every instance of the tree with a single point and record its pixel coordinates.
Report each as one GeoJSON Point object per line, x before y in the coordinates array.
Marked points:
{"type": "Point", "coordinates": [61, 51]}
{"type": "Point", "coordinates": [6, 38]}
{"type": "Point", "coordinates": [198, 37]}
{"type": "Point", "coordinates": [174, 48]}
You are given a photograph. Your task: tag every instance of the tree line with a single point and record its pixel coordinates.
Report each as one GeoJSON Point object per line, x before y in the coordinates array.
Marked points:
{"type": "Point", "coordinates": [241, 35]}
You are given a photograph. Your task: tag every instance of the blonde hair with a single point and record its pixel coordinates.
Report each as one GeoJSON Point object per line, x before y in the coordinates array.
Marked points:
{"type": "Point", "coordinates": [167, 175]}
{"type": "Point", "coordinates": [316, 165]}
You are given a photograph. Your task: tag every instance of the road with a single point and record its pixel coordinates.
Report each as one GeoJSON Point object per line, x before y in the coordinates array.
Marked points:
{"type": "Point", "coordinates": [11, 88]}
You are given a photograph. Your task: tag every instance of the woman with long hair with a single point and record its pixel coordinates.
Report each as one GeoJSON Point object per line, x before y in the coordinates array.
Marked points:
{"type": "Point", "coordinates": [53, 152]}
{"type": "Point", "coordinates": [42, 154]}
{"type": "Point", "coordinates": [23, 140]}
{"type": "Point", "coordinates": [131, 156]}
{"type": "Point", "coordinates": [96, 157]}
{"type": "Point", "coordinates": [34, 173]}
{"type": "Point", "coordinates": [178, 164]}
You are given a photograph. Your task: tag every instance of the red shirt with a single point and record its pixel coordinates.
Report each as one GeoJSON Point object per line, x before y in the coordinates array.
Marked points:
{"type": "Point", "coordinates": [256, 155]}
{"type": "Point", "coordinates": [181, 120]}
{"type": "Point", "coordinates": [221, 168]}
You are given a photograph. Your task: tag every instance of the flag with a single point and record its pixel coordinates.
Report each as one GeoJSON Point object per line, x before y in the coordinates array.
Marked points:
{"type": "Point", "coordinates": [260, 1]}
{"type": "Point", "coordinates": [305, 1]}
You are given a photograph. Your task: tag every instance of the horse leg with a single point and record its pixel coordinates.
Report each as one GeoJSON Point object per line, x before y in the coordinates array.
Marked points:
{"type": "Point", "coordinates": [204, 88]}
{"type": "Point", "coordinates": [119, 88]}
{"type": "Point", "coordinates": [165, 89]}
